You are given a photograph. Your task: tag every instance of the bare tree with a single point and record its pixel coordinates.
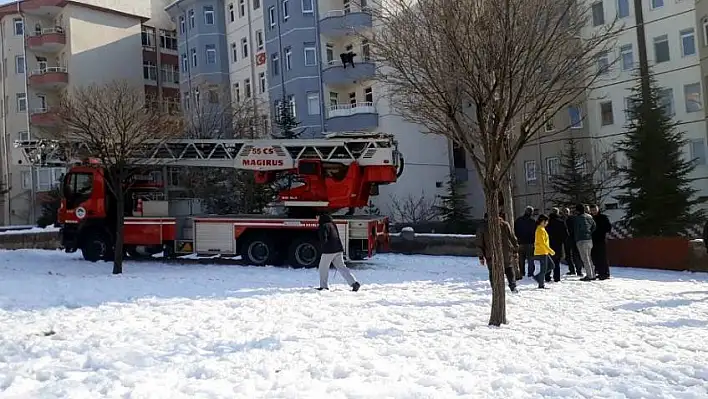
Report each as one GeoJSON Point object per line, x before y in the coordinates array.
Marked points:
{"type": "Point", "coordinates": [488, 75]}
{"type": "Point", "coordinates": [114, 124]}
{"type": "Point", "coordinates": [413, 209]}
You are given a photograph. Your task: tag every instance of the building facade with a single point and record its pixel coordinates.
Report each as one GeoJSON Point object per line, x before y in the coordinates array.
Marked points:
{"type": "Point", "coordinates": [50, 46]}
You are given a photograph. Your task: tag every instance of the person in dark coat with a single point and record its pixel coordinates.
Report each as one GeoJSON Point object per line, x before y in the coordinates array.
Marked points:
{"type": "Point", "coordinates": [558, 235]}
{"type": "Point", "coordinates": [524, 229]}
{"type": "Point", "coordinates": [332, 253]}
{"type": "Point", "coordinates": [599, 243]}
{"type": "Point", "coordinates": [572, 256]}
{"type": "Point", "coordinates": [705, 236]}
{"type": "Point", "coordinates": [510, 246]}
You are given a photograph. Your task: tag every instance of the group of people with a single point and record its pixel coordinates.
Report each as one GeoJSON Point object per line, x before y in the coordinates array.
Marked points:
{"type": "Point", "coordinates": [579, 238]}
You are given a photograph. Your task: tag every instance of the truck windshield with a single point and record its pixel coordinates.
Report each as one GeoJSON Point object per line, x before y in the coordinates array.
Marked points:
{"type": "Point", "coordinates": [77, 188]}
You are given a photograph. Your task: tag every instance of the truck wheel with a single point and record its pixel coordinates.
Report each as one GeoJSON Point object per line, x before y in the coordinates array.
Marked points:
{"type": "Point", "coordinates": [95, 248]}
{"type": "Point", "coordinates": [259, 251]}
{"type": "Point", "coordinates": [304, 252]}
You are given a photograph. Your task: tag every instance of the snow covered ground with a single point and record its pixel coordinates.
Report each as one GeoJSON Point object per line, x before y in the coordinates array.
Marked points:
{"type": "Point", "coordinates": [417, 329]}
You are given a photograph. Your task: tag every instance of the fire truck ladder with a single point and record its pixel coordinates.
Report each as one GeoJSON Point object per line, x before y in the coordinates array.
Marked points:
{"type": "Point", "coordinates": [364, 148]}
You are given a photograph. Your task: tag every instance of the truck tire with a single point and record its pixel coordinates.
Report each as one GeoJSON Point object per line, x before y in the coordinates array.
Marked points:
{"type": "Point", "coordinates": [304, 253]}
{"type": "Point", "coordinates": [259, 251]}
{"type": "Point", "coordinates": [95, 247]}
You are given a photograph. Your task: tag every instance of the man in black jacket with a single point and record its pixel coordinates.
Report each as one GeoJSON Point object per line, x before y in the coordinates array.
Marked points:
{"type": "Point", "coordinates": [557, 235]}
{"type": "Point", "coordinates": [572, 256]}
{"type": "Point", "coordinates": [332, 253]}
{"type": "Point", "coordinates": [525, 229]}
{"type": "Point", "coordinates": [599, 243]}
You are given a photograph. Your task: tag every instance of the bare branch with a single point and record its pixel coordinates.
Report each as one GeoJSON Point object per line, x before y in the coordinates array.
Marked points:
{"type": "Point", "coordinates": [413, 209]}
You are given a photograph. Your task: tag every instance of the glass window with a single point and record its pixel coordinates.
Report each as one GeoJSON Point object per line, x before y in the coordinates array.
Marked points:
{"type": "Point", "coordinates": [606, 115]}
{"type": "Point", "coordinates": [688, 42]}
{"type": "Point", "coordinates": [576, 118]}
{"type": "Point", "coordinates": [661, 49]}
{"type": "Point", "coordinates": [313, 103]}
{"type": "Point", "coordinates": [692, 96]}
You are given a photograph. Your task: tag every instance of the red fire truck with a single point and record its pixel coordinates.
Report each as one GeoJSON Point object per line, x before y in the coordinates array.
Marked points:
{"type": "Point", "coordinates": [335, 173]}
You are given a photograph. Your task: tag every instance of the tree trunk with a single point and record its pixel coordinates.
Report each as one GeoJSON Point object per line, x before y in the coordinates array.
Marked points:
{"type": "Point", "coordinates": [120, 212]}
{"type": "Point", "coordinates": [498, 313]}
{"type": "Point", "coordinates": [508, 195]}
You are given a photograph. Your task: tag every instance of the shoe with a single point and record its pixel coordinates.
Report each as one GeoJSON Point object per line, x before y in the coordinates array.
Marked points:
{"type": "Point", "coordinates": [514, 291]}
{"type": "Point", "coordinates": [580, 274]}
{"type": "Point", "coordinates": [356, 286]}
{"type": "Point", "coordinates": [542, 287]}
{"type": "Point", "coordinates": [586, 278]}
{"type": "Point", "coordinates": [556, 281]}
{"type": "Point", "coordinates": [603, 277]}
{"type": "Point", "coordinates": [322, 289]}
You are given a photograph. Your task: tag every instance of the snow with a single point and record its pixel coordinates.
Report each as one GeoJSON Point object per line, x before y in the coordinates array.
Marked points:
{"type": "Point", "coordinates": [417, 329]}
{"type": "Point", "coordinates": [437, 235]}
{"type": "Point", "coordinates": [29, 230]}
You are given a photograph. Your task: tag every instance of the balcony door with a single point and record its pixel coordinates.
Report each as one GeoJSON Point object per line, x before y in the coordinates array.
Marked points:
{"type": "Point", "coordinates": [42, 64]}
{"type": "Point", "coordinates": [42, 102]}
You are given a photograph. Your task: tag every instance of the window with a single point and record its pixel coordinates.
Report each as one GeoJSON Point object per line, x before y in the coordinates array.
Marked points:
{"type": "Point", "coordinates": [259, 40]}
{"type": "Point", "coordinates": [365, 50]}
{"type": "Point", "coordinates": [661, 49]}
{"type": "Point", "coordinates": [209, 15]}
{"type": "Point", "coordinates": [347, 7]}
{"type": "Point", "coordinates": [196, 96]}
{"type": "Point", "coordinates": [307, 7]}
{"type": "Point", "coordinates": [288, 59]}
{"type": "Point", "coordinates": [627, 57]}
{"type": "Point", "coordinates": [244, 47]}
{"type": "Point", "coordinates": [48, 178]}
{"type": "Point", "coordinates": [657, 3]}
{"type": "Point", "coordinates": [692, 96]}
{"type": "Point", "coordinates": [213, 95]}
{"type": "Point", "coordinates": [169, 73]}
{"type": "Point", "coordinates": [256, 4]}
{"type": "Point", "coordinates": [149, 70]}
{"type": "Point", "coordinates": [20, 64]}
{"type": "Point", "coordinates": [291, 102]}
{"type": "Point", "coordinates": [552, 167]}
{"type": "Point", "coordinates": [310, 55]}
{"type": "Point", "coordinates": [607, 117]}
{"type": "Point", "coordinates": [550, 124]}
{"type": "Point", "coordinates": [211, 54]}
{"type": "Point", "coordinates": [666, 101]}
{"type": "Point", "coordinates": [21, 102]}
{"type": "Point", "coordinates": [192, 21]}
{"type": "Point", "coordinates": [705, 31]}
{"type": "Point", "coordinates": [603, 63]}
{"type": "Point", "coordinates": [185, 97]}
{"type": "Point", "coordinates": [241, 8]}
{"type": "Point", "coordinates": [330, 53]}
{"type": "Point", "coordinates": [182, 27]}
{"type": "Point", "coordinates": [237, 93]}
{"type": "Point", "coordinates": [232, 17]}
{"type": "Point", "coordinates": [333, 99]}
{"type": "Point", "coordinates": [247, 88]}
{"type": "Point", "coordinates": [19, 26]}
{"type": "Point", "coordinates": [271, 17]}
{"type": "Point", "coordinates": [194, 57]}
{"type": "Point", "coordinates": [598, 14]}
{"type": "Point", "coordinates": [623, 8]}
{"type": "Point", "coordinates": [369, 96]}
{"type": "Point", "coordinates": [698, 151]}
{"type": "Point", "coordinates": [688, 42]}
{"type": "Point", "coordinates": [576, 119]}
{"type": "Point", "coordinates": [459, 157]}
{"type": "Point", "coordinates": [530, 171]}
{"type": "Point", "coordinates": [168, 39]}
{"type": "Point", "coordinates": [352, 98]}
{"type": "Point", "coordinates": [234, 52]}
{"type": "Point", "coordinates": [313, 103]}
{"type": "Point", "coordinates": [147, 36]}
{"type": "Point", "coordinates": [262, 82]}
{"type": "Point", "coordinates": [275, 64]}
{"type": "Point", "coordinates": [286, 12]}
{"type": "Point", "coordinates": [629, 105]}
{"type": "Point", "coordinates": [26, 180]}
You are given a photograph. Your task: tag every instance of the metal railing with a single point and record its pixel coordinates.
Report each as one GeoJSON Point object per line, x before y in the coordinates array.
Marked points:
{"type": "Point", "coordinates": [337, 62]}
{"type": "Point", "coordinates": [341, 13]}
{"type": "Point", "coordinates": [351, 109]}
{"type": "Point", "coordinates": [41, 110]}
{"type": "Point", "coordinates": [48, 69]}
{"type": "Point", "coordinates": [47, 31]}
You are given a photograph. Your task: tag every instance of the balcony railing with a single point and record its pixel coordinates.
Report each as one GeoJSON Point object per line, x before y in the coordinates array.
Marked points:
{"type": "Point", "coordinates": [351, 109]}
{"type": "Point", "coordinates": [41, 110]}
{"type": "Point", "coordinates": [47, 31]}
{"type": "Point", "coordinates": [42, 71]}
{"type": "Point", "coordinates": [341, 13]}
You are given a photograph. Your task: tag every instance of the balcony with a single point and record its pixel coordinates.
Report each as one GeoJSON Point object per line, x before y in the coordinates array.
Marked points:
{"type": "Point", "coordinates": [358, 116]}
{"type": "Point", "coordinates": [43, 117]}
{"type": "Point", "coordinates": [338, 23]}
{"type": "Point", "coordinates": [334, 73]}
{"type": "Point", "coordinates": [49, 78]}
{"type": "Point", "coordinates": [49, 40]}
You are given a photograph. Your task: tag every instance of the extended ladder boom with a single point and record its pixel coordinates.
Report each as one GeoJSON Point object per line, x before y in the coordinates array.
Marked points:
{"type": "Point", "coordinates": [367, 149]}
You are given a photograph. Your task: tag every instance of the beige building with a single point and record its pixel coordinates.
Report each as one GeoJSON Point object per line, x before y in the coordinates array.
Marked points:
{"type": "Point", "coordinates": [48, 46]}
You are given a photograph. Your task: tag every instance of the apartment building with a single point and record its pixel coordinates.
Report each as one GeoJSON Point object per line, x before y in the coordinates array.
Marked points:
{"type": "Point", "coordinates": [305, 54]}
{"type": "Point", "coordinates": [675, 39]}
{"type": "Point", "coordinates": [49, 46]}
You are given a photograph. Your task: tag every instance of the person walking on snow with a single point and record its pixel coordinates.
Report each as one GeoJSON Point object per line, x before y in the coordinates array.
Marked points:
{"type": "Point", "coordinates": [599, 243]}
{"type": "Point", "coordinates": [558, 234]}
{"type": "Point", "coordinates": [332, 253]}
{"type": "Point", "coordinates": [542, 250]}
{"type": "Point", "coordinates": [509, 247]}
{"type": "Point", "coordinates": [583, 228]}
{"type": "Point", "coordinates": [524, 228]}
{"type": "Point", "coordinates": [572, 256]}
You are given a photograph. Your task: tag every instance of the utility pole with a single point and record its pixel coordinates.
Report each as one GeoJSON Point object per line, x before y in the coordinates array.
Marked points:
{"type": "Point", "coordinates": [642, 51]}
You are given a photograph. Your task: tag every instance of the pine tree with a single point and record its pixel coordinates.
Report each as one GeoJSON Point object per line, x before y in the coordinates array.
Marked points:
{"type": "Point", "coordinates": [286, 122]}
{"type": "Point", "coordinates": [454, 209]}
{"type": "Point", "coordinates": [575, 184]}
{"type": "Point", "coordinates": [658, 197]}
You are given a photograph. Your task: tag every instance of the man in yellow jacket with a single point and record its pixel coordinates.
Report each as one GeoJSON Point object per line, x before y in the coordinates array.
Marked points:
{"type": "Point", "coordinates": [542, 250]}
